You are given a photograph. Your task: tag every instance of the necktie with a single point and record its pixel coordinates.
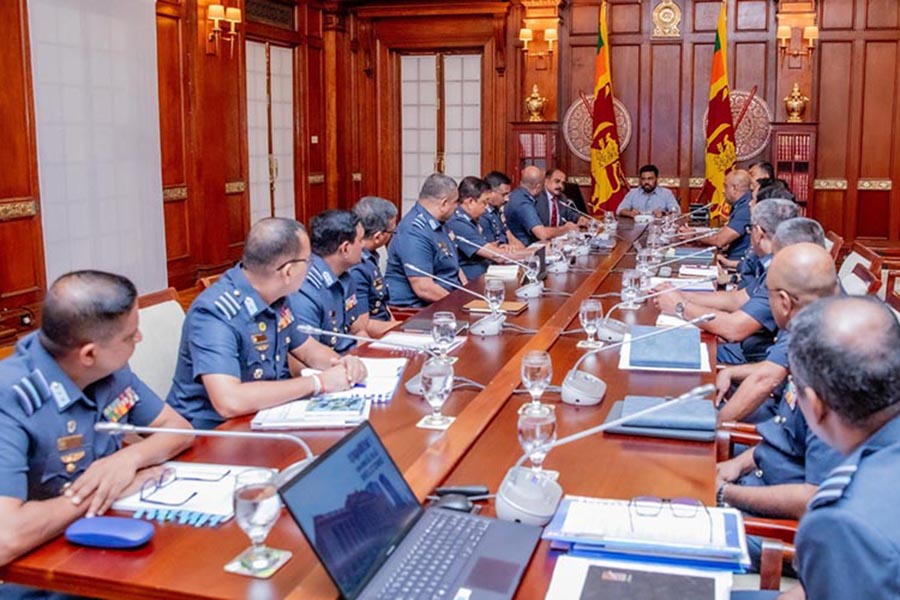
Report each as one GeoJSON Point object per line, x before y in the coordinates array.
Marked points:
{"type": "Point", "coordinates": [554, 212]}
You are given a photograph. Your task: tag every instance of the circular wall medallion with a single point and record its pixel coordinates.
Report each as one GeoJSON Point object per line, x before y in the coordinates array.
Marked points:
{"type": "Point", "coordinates": [578, 127]}
{"type": "Point", "coordinates": [755, 130]}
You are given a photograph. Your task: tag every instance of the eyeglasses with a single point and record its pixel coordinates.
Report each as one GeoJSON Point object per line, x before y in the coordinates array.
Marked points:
{"type": "Point", "coordinates": [651, 506]}
{"type": "Point", "coordinates": [290, 262]}
{"type": "Point", "coordinates": [152, 487]}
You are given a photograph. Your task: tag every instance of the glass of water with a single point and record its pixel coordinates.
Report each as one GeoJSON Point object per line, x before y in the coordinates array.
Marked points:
{"type": "Point", "coordinates": [437, 382]}
{"type": "Point", "coordinates": [443, 331]}
{"type": "Point", "coordinates": [495, 292]}
{"type": "Point", "coordinates": [631, 281]}
{"type": "Point", "coordinates": [537, 429]}
{"type": "Point", "coordinates": [590, 314]}
{"type": "Point", "coordinates": [609, 221]}
{"type": "Point", "coordinates": [534, 264]}
{"type": "Point", "coordinates": [537, 369]}
{"type": "Point", "coordinates": [256, 508]}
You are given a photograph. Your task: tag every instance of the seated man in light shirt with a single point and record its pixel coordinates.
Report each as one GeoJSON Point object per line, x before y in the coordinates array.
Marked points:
{"type": "Point", "coordinates": [648, 198]}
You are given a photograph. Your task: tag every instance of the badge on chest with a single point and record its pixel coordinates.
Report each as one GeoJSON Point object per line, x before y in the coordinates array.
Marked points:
{"type": "Point", "coordinates": [120, 407]}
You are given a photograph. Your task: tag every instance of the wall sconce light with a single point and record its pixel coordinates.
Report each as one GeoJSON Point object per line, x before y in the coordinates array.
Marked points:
{"type": "Point", "coordinates": [550, 36]}
{"type": "Point", "coordinates": [810, 35]}
{"type": "Point", "coordinates": [215, 14]}
{"type": "Point", "coordinates": [526, 35]}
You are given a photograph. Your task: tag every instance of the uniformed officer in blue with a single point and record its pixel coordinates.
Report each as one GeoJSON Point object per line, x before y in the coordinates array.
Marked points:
{"type": "Point", "coordinates": [61, 380]}
{"type": "Point", "coordinates": [475, 251]}
{"type": "Point", "coordinates": [845, 361]}
{"type": "Point", "coordinates": [328, 298]}
{"type": "Point", "coordinates": [236, 337]}
{"type": "Point", "coordinates": [743, 317]}
{"type": "Point", "coordinates": [524, 217]}
{"type": "Point", "coordinates": [379, 220]}
{"type": "Point", "coordinates": [809, 273]}
{"type": "Point", "coordinates": [734, 237]}
{"type": "Point", "coordinates": [424, 241]}
{"type": "Point", "coordinates": [493, 221]}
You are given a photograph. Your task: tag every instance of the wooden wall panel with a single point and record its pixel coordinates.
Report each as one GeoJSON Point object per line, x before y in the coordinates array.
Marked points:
{"type": "Point", "coordinates": [625, 58]}
{"type": "Point", "coordinates": [664, 117]}
{"type": "Point", "coordinates": [752, 15]}
{"type": "Point", "coordinates": [702, 59]}
{"type": "Point", "coordinates": [882, 14]}
{"type": "Point", "coordinates": [22, 276]}
{"type": "Point", "coordinates": [751, 67]}
{"type": "Point", "coordinates": [879, 103]}
{"type": "Point", "coordinates": [834, 99]}
{"type": "Point", "coordinates": [837, 15]}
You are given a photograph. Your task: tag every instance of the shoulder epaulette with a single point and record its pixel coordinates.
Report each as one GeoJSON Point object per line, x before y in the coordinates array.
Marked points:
{"type": "Point", "coordinates": [228, 305]}
{"type": "Point", "coordinates": [833, 487]}
{"type": "Point", "coordinates": [420, 222]}
{"type": "Point", "coordinates": [314, 278]}
{"type": "Point", "coordinates": [31, 390]}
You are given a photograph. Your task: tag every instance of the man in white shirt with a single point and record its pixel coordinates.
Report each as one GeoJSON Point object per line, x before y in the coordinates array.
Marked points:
{"type": "Point", "coordinates": [648, 198]}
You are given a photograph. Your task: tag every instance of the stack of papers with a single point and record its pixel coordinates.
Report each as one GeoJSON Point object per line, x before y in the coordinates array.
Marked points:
{"type": "Point", "coordinates": [418, 341]}
{"type": "Point", "coordinates": [698, 285]}
{"type": "Point", "coordinates": [706, 536]}
{"type": "Point", "coordinates": [690, 420]}
{"type": "Point", "coordinates": [504, 272]}
{"type": "Point", "coordinates": [698, 270]}
{"type": "Point", "coordinates": [339, 409]}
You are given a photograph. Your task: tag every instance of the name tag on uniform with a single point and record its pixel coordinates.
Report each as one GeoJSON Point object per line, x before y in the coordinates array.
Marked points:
{"type": "Point", "coordinates": [121, 405]}
{"type": "Point", "coordinates": [67, 442]}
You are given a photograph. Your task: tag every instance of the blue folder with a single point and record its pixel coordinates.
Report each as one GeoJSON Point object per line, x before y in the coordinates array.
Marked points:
{"type": "Point", "coordinates": [676, 349]}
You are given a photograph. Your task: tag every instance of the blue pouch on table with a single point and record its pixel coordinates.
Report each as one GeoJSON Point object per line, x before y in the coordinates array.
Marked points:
{"type": "Point", "coordinates": [109, 532]}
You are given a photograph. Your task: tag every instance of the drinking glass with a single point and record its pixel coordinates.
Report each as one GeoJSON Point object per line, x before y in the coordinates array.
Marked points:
{"type": "Point", "coordinates": [256, 508]}
{"type": "Point", "coordinates": [537, 429]}
{"type": "Point", "coordinates": [537, 369]}
{"type": "Point", "coordinates": [593, 228]}
{"type": "Point", "coordinates": [443, 331]}
{"type": "Point", "coordinates": [609, 221]}
{"type": "Point", "coordinates": [590, 314]}
{"type": "Point", "coordinates": [534, 265]}
{"type": "Point", "coordinates": [631, 279]}
{"type": "Point", "coordinates": [437, 382]}
{"type": "Point", "coordinates": [495, 292]}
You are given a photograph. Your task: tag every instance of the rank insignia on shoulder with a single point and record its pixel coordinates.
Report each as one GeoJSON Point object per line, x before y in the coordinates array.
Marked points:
{"type": "Point", "coordinates": [31, 391]}
{"type": "Point", "coordinates": [119, 407]}
{"type": "Point", "coordinates": [227, 305]}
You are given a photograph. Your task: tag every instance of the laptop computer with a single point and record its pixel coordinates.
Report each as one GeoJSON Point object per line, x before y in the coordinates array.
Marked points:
{"type": "Point", "coordinates": [376, 541]}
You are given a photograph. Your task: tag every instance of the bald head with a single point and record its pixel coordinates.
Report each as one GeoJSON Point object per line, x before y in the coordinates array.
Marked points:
{"type": "Point", "coordinates": [847, 349]}
{"type": "Point", "coordinates": [532, 176]}
{"type": "Point", "coordinates": [271, 242]}
{"type": "Point", "coordinates": [82, 307]}
{"type": "Point", "coordinates": [805, 271]}
{"type": "Point", "coordinates": [737, 183]}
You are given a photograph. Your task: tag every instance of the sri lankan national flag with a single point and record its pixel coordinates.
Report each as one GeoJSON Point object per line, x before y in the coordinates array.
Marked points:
{"type": "Point", "coordinates": [606, 168]}
{"type": "Point", "coordinates": [720, 145]}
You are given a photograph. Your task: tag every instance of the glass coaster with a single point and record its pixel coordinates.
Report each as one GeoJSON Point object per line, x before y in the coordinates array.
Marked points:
{"type": "Point", "coordinates": [238, 563]}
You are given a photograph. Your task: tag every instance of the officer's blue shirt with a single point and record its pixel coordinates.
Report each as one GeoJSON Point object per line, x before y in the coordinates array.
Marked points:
{"type": "Point", "coordinates": [493, 225]}
{"type": "Point", "coordinates": [371, 292]}
{"type": "Point", "coordinates": [328, 302]}
{"type": "Point", "coordinates": [423, 242]}
{"type": "Point", "coordinates": [790, 452]}
{"type": "Point", "coordinates": [738, 222]}
{"type": "Point", "coordinates": [462, 225]}
{"type": "Point", "coordinates": [230, 330]}
{"type": "Point", "coordinates": [47, 436]}
{"type": "Point", "coordinates": [848, 542]}
{"type": "Point", "coordinates": [749, 269]}
{"type": "Point", "coordinates": [522, 216]}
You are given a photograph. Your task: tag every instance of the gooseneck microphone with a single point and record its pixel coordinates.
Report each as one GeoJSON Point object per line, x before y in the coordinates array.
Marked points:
{"type": "Point", "coordinates": [530, 290]}
{"type": "Point", "coordinates": [414, 384]}
{"type": "Point", "coordinates": [286, 474]}
{"type": "Point", "coordinates": [532, 499]}
{"type": "Point", "coordinates": [694, 212]}
{"type": "Point", "coordinates": [712, 231]}
{"type": "Point", "coordinates": [586, 389]}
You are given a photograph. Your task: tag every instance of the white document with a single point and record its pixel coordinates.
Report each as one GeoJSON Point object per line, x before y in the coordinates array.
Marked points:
{"type": "Point", "coordinates": [415, 340]}
{"type": "Point", "coordinates": [293, 415]}
{"type": "Point", "coordinates": [698, 270]}
{"type": "Point", "coordinates": [625, 360]}
{"type": "Point", "coordinates": [503, 272]}
{"type": "Point", "coordinates": [212, 487]}
{"type": "Point", "coordinates": [697, 285]}
{"type": "Point", "coordinates": [570, 573]}
{"type": "Point", "coordinates": [664, 320]}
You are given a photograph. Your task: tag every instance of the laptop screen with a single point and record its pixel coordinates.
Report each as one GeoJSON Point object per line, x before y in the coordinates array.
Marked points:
{"type": "Point", "coordinates": [353, 506]}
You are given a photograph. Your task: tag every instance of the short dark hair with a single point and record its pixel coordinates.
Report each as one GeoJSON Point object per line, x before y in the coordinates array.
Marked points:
{"type": "Point", "coordinates": [773, 188]}
{"type": "Point", "coordinates": [649, 168]}
{"type": "Point", "coordinates": [375, 214]}
{"type": "Point", "coordinates": [84, 306]}
{"type": "Point", "coordinates": [270, 242]}
{"type": "Point", "coordinates": [551, 171]}
{"type": "Point", "coordinates": [436, 186]}
{"type": "Point", "coordinates": [764, 166]}
{"type": "Point", "coordinates": [331, 228]}
{"type": "Point", "coordinates": [472, 187]}
{"type": "Point", "coordinates": [495, 179]}
{"type": "Point", "coordinates": [797, 231]}
{"type": "Point", "coordinates": [855, 378]}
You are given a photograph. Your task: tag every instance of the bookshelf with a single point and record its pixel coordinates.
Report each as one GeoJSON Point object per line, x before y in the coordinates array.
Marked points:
{"type": "Point", "coordinates": [794, 157]}
{"type": "Point", "coordinates": [535, 144]}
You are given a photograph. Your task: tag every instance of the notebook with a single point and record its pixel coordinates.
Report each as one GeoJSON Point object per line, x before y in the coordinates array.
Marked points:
{"type": "Point", "coordinates": [509, 307]}
{"type": "Point", "coordinates": [371, 534]}
{"type": "Point", "coordinates": [686, 421]}
{"type": "Point", "coordinates": [679, 348]}
{"type": "Point", "coordinates": [423, 325]}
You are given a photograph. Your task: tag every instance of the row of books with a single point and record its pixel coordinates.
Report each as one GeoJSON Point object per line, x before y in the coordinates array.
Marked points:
{"type": "Point", "coordinates": [798, 181]}
{"type": "Point", "coordinates": [792, 148]}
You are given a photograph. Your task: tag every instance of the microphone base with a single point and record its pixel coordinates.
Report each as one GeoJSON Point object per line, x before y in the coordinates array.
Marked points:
{"type": "Point", "coordinates": [612, 331]}
{"type": "Point", "coordinates": [488, 326]}
{"type": "Point", "coordinates": [559, 267]}
{"type": "Point", "coordinates": [530, 291]}
{"type": "Point", "coordinates": [293, 470]}
{"type": "Point", "coordinates": [527, 497]}
{"type": "Point", "coordinates": [583, 389]}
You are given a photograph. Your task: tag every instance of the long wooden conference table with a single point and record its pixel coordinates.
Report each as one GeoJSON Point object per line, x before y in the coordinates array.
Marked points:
{"type": "Point", "coordinates": [481, 445]}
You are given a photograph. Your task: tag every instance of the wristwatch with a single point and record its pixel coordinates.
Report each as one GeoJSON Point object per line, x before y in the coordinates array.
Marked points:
{"type": "Point", "coordinates": [720, 495]}
{"type": "Point", "coordinates": [679, 310]}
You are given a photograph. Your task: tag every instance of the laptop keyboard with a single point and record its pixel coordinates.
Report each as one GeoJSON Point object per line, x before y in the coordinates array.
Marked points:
{"type": "Point", "coordinates": [447, 541]}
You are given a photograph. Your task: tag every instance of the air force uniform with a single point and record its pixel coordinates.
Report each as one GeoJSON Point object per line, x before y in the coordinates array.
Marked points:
{"type": "Point", "coordinates": [738, 221]}
{"type": "Point", "coordinates": [522, 215]}
{"type": "Point", "coordinates": [493, 225]}
{"type": "Point", "coordinates": [230, 330]}
{"type": "Point", "coordinates": [371, 291]}
{"type": "Point", "coordinates": [754, 347]}
{"type": "Point", "coordinates": [423, 242]}
{"type": "Point", "coordinates": [847, 542]}
{"type": "Point", "coordinates": [462, 225]}
{"type": "Point", "coordinates": [328, 302]}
